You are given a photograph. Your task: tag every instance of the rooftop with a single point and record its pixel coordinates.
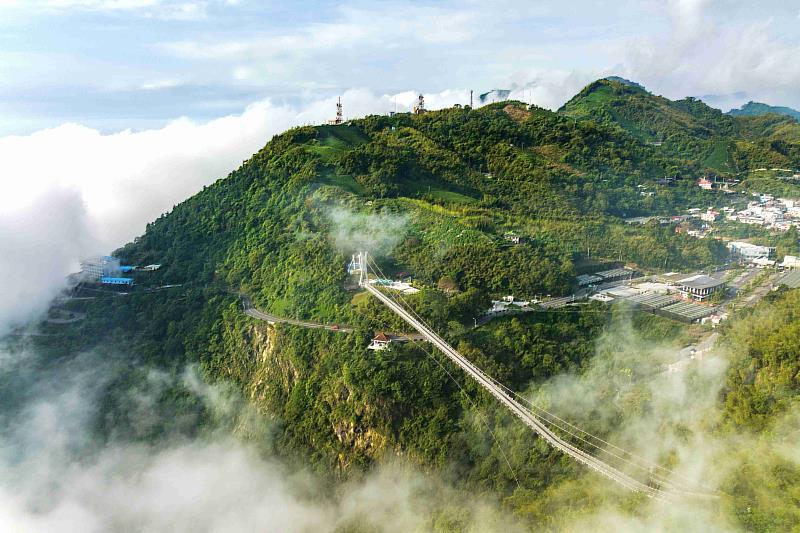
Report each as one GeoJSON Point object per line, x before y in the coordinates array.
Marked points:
{"type": "Point", "coordinates": [615, 273]}
{"type": "Point", "coordinates": [792, 280]}
{"type": "Point", "coordinates": [701, 281]}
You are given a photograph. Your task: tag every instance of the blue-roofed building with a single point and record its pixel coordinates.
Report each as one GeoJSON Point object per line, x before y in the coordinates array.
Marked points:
{"type": "Point", "coordinates": [107, 280]}
{"type": "Point", "coordinates": [105, 269]}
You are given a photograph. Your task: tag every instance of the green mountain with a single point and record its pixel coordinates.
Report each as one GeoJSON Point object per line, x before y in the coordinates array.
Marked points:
{"type": "Point", "coordinates": [624, 81]}
{"type": "Point", "coordinates": [690, 129]}
{"type": "Point", "coordinates": [433, 196]}
{"type": "Point", "coordinates": [756, 109]}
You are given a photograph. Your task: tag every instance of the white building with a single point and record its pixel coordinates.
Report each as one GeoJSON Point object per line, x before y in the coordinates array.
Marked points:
{"type": "Point", "coordinates": [763, 262]}
{"type": "Point", "coordinates": [791, 261]}
{"type": "Point", "coordinates": [710, 215]}
{"type": "Point", "coordinates": [380, 342]}
{"type": "Point", "coordinates": [97, 267]}
{"type": "Point", "coordinates": [748, 252]}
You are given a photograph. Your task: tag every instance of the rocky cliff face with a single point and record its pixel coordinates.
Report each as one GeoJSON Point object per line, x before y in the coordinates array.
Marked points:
{"type": "Point", "coordinates": [322, 408]}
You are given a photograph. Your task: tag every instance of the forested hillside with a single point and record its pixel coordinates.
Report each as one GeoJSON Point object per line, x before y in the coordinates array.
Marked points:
{"type": "Point", "coordinates": [432, 196]}
{"type": "Point", "coordinates": [690, 129]}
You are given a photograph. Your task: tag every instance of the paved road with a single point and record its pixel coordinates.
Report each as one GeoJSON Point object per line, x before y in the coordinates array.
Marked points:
{"type": "Point", "coordinates": [249, 310]}
{"type": "Point", "coordinates": [763, 289]}
{"type": "Point", "coordinates": [742, 279]}
{"type": "Point", "coordinates": [556, 303]}
{"type": "Point", "coordinates": [71, 318]}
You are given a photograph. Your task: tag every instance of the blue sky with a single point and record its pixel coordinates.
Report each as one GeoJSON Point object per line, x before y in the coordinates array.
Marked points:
{"type": "Point", "coordinates": [115, 64]}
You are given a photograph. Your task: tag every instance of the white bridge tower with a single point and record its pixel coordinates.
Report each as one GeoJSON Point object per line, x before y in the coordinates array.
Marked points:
{"type": "Point", "coordinates": [358, 263]}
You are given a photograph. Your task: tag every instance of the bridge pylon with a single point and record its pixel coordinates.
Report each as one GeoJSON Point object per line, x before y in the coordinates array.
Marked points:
{"type": "Point", "coordinates": [358, 263]}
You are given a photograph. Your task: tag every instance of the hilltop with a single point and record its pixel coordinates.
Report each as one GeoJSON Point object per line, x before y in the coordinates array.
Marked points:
{"type": "Point", "coordinates": [756, 109]}
{"type": "Point", "coordinates": [689, 129]}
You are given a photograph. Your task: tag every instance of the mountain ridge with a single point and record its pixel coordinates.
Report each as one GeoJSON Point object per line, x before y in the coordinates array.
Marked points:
{"type": "Point", "coordinates": [689, 128]}
{"type": "Point", "coordinates": [752, 108]}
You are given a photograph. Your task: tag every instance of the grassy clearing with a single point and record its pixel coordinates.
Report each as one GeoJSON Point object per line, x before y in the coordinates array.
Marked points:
{"type": "Point", "coordinates": [360, 298]}
{"type": "Point", "coordinates": [450, 196]}
{"type": "Point", "coordinates": [720, 157]}
{"type": "Point", "coordinates": [345, 182]}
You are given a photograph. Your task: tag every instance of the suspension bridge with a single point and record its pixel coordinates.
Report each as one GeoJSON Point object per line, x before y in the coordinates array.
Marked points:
{"type": "Point", "coordinates": [617, 464]}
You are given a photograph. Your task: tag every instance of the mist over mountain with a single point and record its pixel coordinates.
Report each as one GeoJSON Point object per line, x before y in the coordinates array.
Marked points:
{"type": "Point", "coordinates": [167, 407]}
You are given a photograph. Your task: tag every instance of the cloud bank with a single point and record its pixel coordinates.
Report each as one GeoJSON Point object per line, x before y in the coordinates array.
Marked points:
{"type": "Point", "coordinates": [71, 191]}
{"type": "Point", "coordinates": [56, 476]}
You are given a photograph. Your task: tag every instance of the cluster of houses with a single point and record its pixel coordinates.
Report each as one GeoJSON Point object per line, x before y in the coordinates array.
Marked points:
{"type": "Point", "coordinates": [777, 214]}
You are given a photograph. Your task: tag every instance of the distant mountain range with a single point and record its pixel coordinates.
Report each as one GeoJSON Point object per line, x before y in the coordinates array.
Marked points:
{"type": "Point", "coordinates": [755, 109]}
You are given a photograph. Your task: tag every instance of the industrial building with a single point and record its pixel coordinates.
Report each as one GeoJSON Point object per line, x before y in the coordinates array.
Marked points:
{"type": "Point", "coordinates": [699, 287]}
{"type": "Point", "coordinates": [749, 252]}
{"type": "Point", "coordinates": [616, 274]}
{"type": "Point", "coordinates": [587, 279]}
{"type": "Point", "coordinates": [791, 280]}
{"type": "Point", "coordinates": [669, 305]}
{"type": "Point", "coordinates": [106, 270]}
{"type": "Point", "coordinates": [98, 267]}
{"type": "Point", "coordinates": [791, 261]}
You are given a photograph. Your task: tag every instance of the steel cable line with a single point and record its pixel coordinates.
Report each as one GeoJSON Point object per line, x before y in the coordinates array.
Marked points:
{"type": "Point", "coordinates": [526, 416]}
{"type": "Point", "coordinates": [534, 422]}
{"type": "Point", "coordinates": [648, 468]}
{"type": "Point", "coordinates": [421, 346]}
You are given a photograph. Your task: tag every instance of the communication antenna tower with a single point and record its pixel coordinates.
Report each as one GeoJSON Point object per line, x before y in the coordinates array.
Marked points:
{"type": "Point", "coordinates": [420, 107]}
{"type": "Point", "coordinates": [339, 117]}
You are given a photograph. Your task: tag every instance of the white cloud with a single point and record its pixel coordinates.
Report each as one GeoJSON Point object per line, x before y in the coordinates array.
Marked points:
{"type": "Point", "coordinates": [701, 54]}
{"type": "Point", "coordinates": [129, 178]}
{"type": "Point", "coordinates": [157, 9]}
{"type": "Point", "coordinates": [70, 191]}
{"type": "Point", "coordinates": [104, 5]}
{"type": "Point", "coordinates": [56, 476]}
{"type": "Point", "coordinates": [156, 85]}
{"type": "Point", "coordinates": [40, 245]}
{"type": "Point", "coordinates": [352, 29]}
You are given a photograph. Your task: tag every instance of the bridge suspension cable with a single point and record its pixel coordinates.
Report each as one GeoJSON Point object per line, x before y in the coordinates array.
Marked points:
{"type": "Point", "coordinates": [657, 486]}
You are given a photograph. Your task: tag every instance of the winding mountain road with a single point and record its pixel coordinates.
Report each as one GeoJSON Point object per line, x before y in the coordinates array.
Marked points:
{"type": "Point", "coordinates": [249, 310]}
